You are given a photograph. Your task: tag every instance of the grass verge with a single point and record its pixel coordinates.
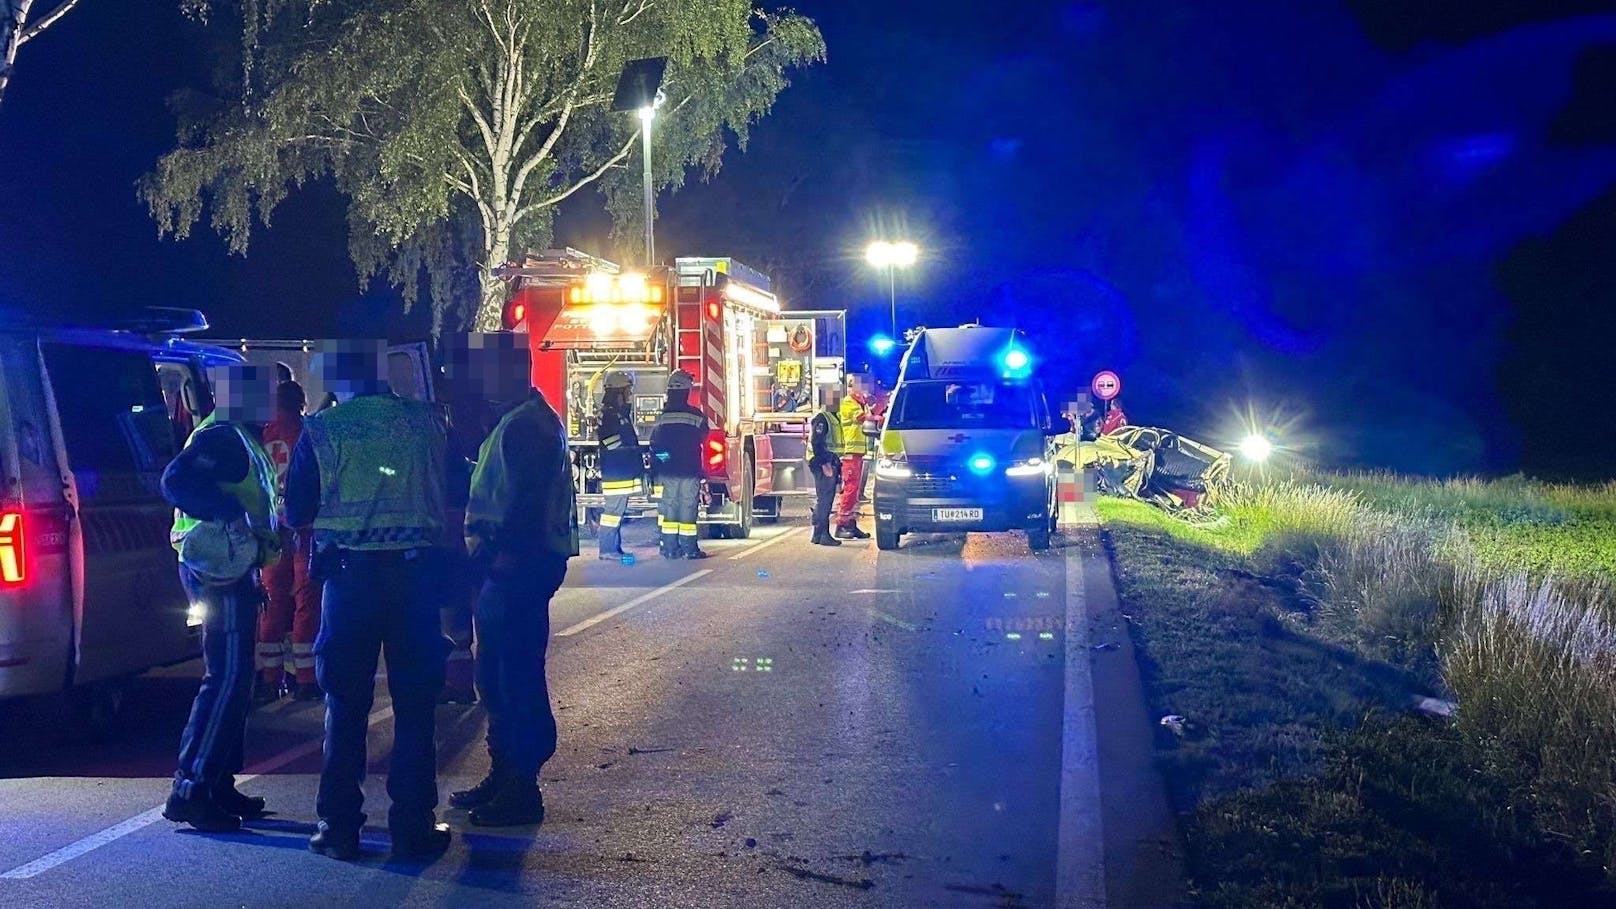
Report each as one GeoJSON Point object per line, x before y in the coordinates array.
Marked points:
{"type": "Point", "coordinates": [1292, 635]}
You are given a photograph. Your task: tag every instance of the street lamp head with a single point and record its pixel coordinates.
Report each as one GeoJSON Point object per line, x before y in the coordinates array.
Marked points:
{"type": "Point", "coordinates": [882, 254]}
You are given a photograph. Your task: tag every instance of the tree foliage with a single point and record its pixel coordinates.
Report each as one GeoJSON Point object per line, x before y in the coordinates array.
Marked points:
{"type": "Point", "coordinates": [455, 127]}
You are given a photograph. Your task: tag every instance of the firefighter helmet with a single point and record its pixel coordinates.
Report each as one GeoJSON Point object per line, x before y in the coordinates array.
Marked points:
{"type": "Point", "coordinates": [619, 380]}
{"type": "Point", "coordinates": [681, 381]}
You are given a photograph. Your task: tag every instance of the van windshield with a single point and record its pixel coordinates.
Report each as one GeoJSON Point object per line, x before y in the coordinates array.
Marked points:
{"type": "Point", "coordinates": [955, 405]}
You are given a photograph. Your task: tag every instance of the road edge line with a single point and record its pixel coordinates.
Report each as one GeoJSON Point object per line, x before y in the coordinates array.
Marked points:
{"type": "Point", "coordinates": [766, 543]}
{"type": "Point", "coordinates": [146, 818]}
{"type": "Point", "coordinates": [1080, 844]}
{"type": "Point", "coordinates": [594, 620]}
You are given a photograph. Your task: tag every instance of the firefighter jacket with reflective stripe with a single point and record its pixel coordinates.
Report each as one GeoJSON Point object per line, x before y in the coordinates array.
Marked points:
{"type": "Point", "coordinates": [676, 441]}
{"type": "Point", "coordinates": [222, 476]}
{"type": "Point", "coordinates": [381, 462]}
{"type": "Point", "coordinates": [622, 464]}
{"type": "Point", "coordinates": [850, 438]}
{"type": "Point", "coordinates": [522, 490]}
{"type": "Point", "coordinates": [823, 433]}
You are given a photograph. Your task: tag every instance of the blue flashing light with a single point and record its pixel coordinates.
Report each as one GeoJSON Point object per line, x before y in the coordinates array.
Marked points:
{"type": "Point", "coordinates": [882, 345]}
{"type": "Point", "coordinates": [1016, 362]}
{"type": "Point", "coordinates": [980, 464]}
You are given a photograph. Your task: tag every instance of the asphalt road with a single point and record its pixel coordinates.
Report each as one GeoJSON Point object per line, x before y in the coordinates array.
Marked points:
{"type": "Point", "coordinates": [781, 725]}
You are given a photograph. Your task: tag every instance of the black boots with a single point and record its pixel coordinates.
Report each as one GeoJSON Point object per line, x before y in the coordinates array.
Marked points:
{"type": "Point", "coordinates": [203, 814]}
{"type": "Point", "coordinates": [246, 807]}
{"type": "Point", "coordinates": [429, 840]}
{"type": "Point", "coordinates": [480, 794]}
{"type": "Point", "coordinates": [822, 537]}
{"type": "Point", "coordinates": [851, 532]}
{"type": "Point", "coordinates": [342, 845]}
{"type": "Point", "coordinates": [518, 804]}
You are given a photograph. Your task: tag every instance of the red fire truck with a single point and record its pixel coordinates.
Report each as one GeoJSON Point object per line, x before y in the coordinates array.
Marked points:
{"type": "Point", "coordinates": [712, 317]}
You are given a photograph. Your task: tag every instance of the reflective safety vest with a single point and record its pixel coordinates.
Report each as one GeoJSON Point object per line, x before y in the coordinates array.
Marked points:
{"type": "Point", "coordinates": [525, 503]}
{"type": "Point", "coordinates": [382, 469]}
{"type": "Point", "coordinates": [256, 491]}
{"type": "Point", "coordinates": [849, 428]}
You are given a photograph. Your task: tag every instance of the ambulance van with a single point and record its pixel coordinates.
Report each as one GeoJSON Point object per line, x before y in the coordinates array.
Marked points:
{"type": "Point", "coordinates": [967, 442]}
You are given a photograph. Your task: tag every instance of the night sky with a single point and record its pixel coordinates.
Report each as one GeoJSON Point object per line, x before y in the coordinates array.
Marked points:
{"type": "Point", "coordinates": [1389, 225]}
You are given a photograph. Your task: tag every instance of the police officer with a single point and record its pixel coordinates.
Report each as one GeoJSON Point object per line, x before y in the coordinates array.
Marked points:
{"type": "Point", "coordinates": [622, 465]}
{"type": "Point", "coordinates": [676, 442]}
{"type": "Point", "coordinates": [223, 488]}
{"type": "Point", "coordinates": [370, 476]}
{"type": "Point", "coordinates": [522, 525]}
{"type": "Point", "coordinates": [825, 462]}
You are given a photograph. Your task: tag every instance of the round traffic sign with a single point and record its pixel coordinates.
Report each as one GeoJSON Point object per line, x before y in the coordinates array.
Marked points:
{"type": "Point", "coordinates": [1106, 385]}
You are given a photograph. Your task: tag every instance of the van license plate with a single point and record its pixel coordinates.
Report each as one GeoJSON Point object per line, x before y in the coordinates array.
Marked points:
{"type": "Point", "coordinates": [956, 514]}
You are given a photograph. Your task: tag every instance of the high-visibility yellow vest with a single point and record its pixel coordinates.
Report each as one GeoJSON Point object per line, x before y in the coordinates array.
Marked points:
{"type": "Point", "coordinates": [849, 428]}
{"type": "Point", "coordinates": [545, 522]}
{"type": "Point", "coordinates": [255, 491]}
{"type": "Point", "coordinates": [382, 467]}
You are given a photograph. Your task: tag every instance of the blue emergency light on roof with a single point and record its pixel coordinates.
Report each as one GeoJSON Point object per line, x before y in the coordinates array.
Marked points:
{"type": "Point", "coordinates": [980, 463]}
{"type": "Point", "coordinates": [1015, 362]}
{"type": "Point", "coordinates": [882, 345]}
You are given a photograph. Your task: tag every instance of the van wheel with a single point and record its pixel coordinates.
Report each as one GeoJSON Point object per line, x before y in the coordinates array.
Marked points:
{"type": "Point", "coordinates": [1038, 538]}
{"type": "Point", "coordinates": [95, 712]}
{"type": "Point", "coordinates": [886, 536]}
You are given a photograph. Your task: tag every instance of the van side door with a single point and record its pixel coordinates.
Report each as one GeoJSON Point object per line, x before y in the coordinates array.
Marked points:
{"type": "Point", "coordinates": [116, 436]}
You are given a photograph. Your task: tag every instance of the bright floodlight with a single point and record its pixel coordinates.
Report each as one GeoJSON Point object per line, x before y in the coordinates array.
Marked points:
{"type": "Point", "coordinates": [647, 114]}
{"type": "Point", "coordinates": [1256, 448]}
{"type": "Point", "coordinates": [882, 254]}
{"type": "Point", "coordinates": [882, 345]}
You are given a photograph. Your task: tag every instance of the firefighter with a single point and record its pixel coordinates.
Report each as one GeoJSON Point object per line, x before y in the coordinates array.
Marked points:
{"type": "Point", "coordinates": [222, 486]}
{"type": "Point", "coordinates": [851, 445]}
{"type": "Point", "coordinates": [371, 476]}
{"type": "Point", "coordinates": [826, 464]}
{"type": "Point", "coordinates": [293, 607]}
{"type": "Point", "coordinates": [676, 447]}
{"type": "Point", "coordinates": [622, 466]}
{"type": "Point", "coordinates": [522, 527]}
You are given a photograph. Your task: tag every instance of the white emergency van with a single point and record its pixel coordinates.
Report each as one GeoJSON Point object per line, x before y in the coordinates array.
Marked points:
{"type": "Point", "coordinates": [967, 442]}
{"type": "Point", "coordinates": [89, 418]}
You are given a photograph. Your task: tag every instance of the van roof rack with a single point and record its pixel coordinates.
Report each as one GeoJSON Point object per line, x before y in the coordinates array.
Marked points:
{"type": "Point", "coordinates": [161, 320]}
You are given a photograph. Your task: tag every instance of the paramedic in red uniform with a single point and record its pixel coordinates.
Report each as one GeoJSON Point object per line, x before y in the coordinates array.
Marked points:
{"type": "Point", "coordinates": [293, 608]}
{"type": "Point", "coordinates": [852, 446]}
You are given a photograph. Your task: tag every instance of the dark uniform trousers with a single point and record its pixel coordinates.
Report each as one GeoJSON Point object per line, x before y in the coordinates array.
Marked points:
{"type": "Point", "coordinates": [211, 748]}
{"type": "Point", "coordinates": [681, 504]}
{"type": "Point", "coordinates": [513, 631]}
{"type": "Point", "coordinates": [385, 601]}
{"type": "Point", "coordinates": [824, 498]}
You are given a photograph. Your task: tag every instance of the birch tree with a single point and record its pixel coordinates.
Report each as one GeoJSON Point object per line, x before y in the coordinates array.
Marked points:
{"type": "Point", "coordinates": [454, 128]}
{"type": "Point", "coordinates": [19, 30]}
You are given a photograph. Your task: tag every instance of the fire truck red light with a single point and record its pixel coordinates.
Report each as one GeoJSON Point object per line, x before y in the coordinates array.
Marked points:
{"type": "Point", "coordinates": [12, 567]}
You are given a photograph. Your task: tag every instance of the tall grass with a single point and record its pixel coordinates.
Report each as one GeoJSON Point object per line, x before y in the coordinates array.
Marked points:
{"type": "Point", "coordinates": [1501, 592]}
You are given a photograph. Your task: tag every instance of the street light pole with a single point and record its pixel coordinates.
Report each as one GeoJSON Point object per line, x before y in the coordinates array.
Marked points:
{"type": "Point", "coordinates": [892, 292]}
{"type": "Point", "coordinates": [647, 115]}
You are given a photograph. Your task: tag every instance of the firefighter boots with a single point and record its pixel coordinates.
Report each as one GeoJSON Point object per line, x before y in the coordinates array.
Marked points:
{"type": "Point", "coordinates": [204, 814]}
{"type": "Point", "coordinates": [342, 845]}
{"type": "Point", "coordinates": [429, 840]}
{"type": "Point", "coordinates": [480, 794]}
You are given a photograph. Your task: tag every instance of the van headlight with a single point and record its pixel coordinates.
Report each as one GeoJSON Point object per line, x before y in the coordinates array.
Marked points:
{"type": "Point", "coordinates": [1030, 467]}
{"type": "Point", "coordinates": [893, 468]}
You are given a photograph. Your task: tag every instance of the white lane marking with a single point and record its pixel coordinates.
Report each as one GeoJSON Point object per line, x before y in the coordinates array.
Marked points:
{"type": "Point", "coordinates": [767, 543]}
{"type": "Point", "coordinates": [1080, 849]}
{"type": "Point", "coordinates": [876, 590]}
{"type": "Point", "coordinates": [594, 620]}
{"type": "Point", "coordinates": [145, 819]}
{"type": "Point", "coordinates": [891, 619]}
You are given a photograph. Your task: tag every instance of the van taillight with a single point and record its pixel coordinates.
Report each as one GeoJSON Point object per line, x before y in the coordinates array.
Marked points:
{"type": "Point", "coordinates": [13, 567]}
{"type": "Point", "coordinates": [716, 451]}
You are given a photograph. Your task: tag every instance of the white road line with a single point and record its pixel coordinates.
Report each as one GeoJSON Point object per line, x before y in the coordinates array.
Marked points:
{"type": "Point", "coordinates": [594, 620]}
{"type": "Point", "coordinates": [124, 828]}
{"type": "Point", "coordinates": [891, 619]}
{"type": "Point", "coordinates": [766, 543]}
{"type": "Point", "coordinates": [1080, 849]}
